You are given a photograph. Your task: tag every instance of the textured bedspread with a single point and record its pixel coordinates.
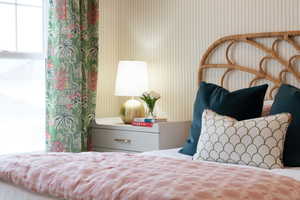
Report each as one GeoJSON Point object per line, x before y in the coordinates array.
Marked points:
{"type": "Point", "coordinates": [101, 176]}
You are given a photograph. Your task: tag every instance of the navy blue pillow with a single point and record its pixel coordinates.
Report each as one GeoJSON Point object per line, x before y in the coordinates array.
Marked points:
{"type": "Point", "coordinates": [288, 100]}
{"type": "Point", "coordinates": [241, 104]}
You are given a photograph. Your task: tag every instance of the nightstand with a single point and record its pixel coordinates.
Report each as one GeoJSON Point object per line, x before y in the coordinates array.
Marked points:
{"type": "Point", "coordinates": [110, 134]}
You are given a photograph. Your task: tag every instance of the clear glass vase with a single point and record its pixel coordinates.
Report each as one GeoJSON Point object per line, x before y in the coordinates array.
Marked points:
{"type": "Point", "coordinates": [151, 113]}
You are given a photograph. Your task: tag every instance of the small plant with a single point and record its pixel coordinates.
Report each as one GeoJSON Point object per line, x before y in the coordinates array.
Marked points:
{"type": "Point", "coordinates": [150, 99]}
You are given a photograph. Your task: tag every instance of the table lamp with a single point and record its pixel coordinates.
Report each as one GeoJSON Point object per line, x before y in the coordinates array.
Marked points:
{"type": "Point", "coordinates": [132, 81]}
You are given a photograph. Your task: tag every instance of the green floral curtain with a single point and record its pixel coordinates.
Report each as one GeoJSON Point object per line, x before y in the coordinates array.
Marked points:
{"type": "Point", "coordinates": [71, 73]}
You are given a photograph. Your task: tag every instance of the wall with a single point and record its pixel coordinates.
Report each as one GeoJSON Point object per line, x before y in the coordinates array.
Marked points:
{"type": "Point", "coordinates": [171, 35]}
{"type": "Point", "coordinates": [107, 104]}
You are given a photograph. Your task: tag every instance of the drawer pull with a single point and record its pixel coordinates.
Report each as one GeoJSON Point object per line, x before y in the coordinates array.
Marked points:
{"type": "Point", "coordinates": [127, 141]}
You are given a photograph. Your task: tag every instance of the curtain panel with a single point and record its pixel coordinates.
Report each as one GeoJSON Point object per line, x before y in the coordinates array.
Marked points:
{"type": "Point", "coordinates": [71, 74]}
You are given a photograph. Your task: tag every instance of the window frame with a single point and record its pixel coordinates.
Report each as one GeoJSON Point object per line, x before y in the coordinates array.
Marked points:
{"type": "Point", "coordinates": [29, 55]}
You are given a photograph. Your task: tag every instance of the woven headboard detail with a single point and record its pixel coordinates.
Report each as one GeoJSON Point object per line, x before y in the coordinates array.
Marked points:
{"type": "Point", "coordinates": [270, 53]}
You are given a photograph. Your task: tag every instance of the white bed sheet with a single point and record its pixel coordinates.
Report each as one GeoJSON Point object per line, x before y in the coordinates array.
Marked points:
{"type": "Point", "coordinates": [10, 192]}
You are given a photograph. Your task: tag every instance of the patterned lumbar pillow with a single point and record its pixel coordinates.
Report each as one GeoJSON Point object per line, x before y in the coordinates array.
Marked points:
{"type": "Point", "coordinates": [256, 142]}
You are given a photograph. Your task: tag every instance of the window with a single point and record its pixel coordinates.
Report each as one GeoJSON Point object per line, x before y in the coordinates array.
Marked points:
{"type": "Point", "coordinates": [22, 75]}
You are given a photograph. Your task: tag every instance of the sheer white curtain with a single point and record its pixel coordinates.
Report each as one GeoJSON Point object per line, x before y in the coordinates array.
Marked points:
{"type": "Point", "coordinates": [21, 105]}
{"type": "Point", "coordinates": [22, 76]}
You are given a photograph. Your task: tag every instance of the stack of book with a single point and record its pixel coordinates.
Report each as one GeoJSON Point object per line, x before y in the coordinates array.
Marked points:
{"type": "Point", "coordinates": [147, 122]}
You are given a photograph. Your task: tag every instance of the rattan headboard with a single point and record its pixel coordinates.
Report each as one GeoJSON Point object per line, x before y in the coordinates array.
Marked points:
{"type": "Point", "coordinates": [270, 52]}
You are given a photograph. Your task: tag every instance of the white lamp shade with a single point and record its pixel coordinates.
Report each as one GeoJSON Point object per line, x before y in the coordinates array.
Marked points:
{"type": "Point", "coordinates": [132, 78]}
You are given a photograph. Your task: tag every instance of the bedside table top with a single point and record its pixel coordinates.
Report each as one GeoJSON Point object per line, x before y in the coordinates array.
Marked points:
{"type": "Point", "coordinates": [111, 120]}
{"type": "Point", "coordinates": [117, 124]}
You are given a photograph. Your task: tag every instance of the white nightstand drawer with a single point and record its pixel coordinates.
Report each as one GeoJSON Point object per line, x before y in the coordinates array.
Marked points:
{"type": "Point", "coordinates": [125, 140]}
{"type": "Point", "coordinates": [109, 134]}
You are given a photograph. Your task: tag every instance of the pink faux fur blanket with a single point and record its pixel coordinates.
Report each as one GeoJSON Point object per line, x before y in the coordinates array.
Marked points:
{"type": "Point", "coordinates": [112, 176]}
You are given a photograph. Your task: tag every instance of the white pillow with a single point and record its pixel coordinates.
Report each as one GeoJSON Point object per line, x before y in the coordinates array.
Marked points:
{"type": "Point", "coordinates": [267, 108]}
{"type": "Point", "coordinates": [256, 142]}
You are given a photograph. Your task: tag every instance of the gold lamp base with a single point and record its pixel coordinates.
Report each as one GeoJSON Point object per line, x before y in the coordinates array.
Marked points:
{"type": "Point", "coordinates": [132, 109]}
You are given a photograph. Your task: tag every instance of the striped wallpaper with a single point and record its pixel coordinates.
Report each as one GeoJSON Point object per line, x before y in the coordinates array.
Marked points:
{"type": "Point", "coordinates": [171, 36]}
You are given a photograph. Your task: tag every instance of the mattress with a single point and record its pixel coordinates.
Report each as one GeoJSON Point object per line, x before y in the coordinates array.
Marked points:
{"type": "Point", "coordinates": [11, 192]}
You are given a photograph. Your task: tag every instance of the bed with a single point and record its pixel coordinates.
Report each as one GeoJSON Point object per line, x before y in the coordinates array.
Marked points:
{"type": "Point", "coordinates": [290, 177]}
{"type": "Point", "coordinates": [11, 192]}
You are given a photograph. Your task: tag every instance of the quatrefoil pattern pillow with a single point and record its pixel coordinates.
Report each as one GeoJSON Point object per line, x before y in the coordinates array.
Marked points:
{"type": "Point", "coordinates": [256, 142]}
